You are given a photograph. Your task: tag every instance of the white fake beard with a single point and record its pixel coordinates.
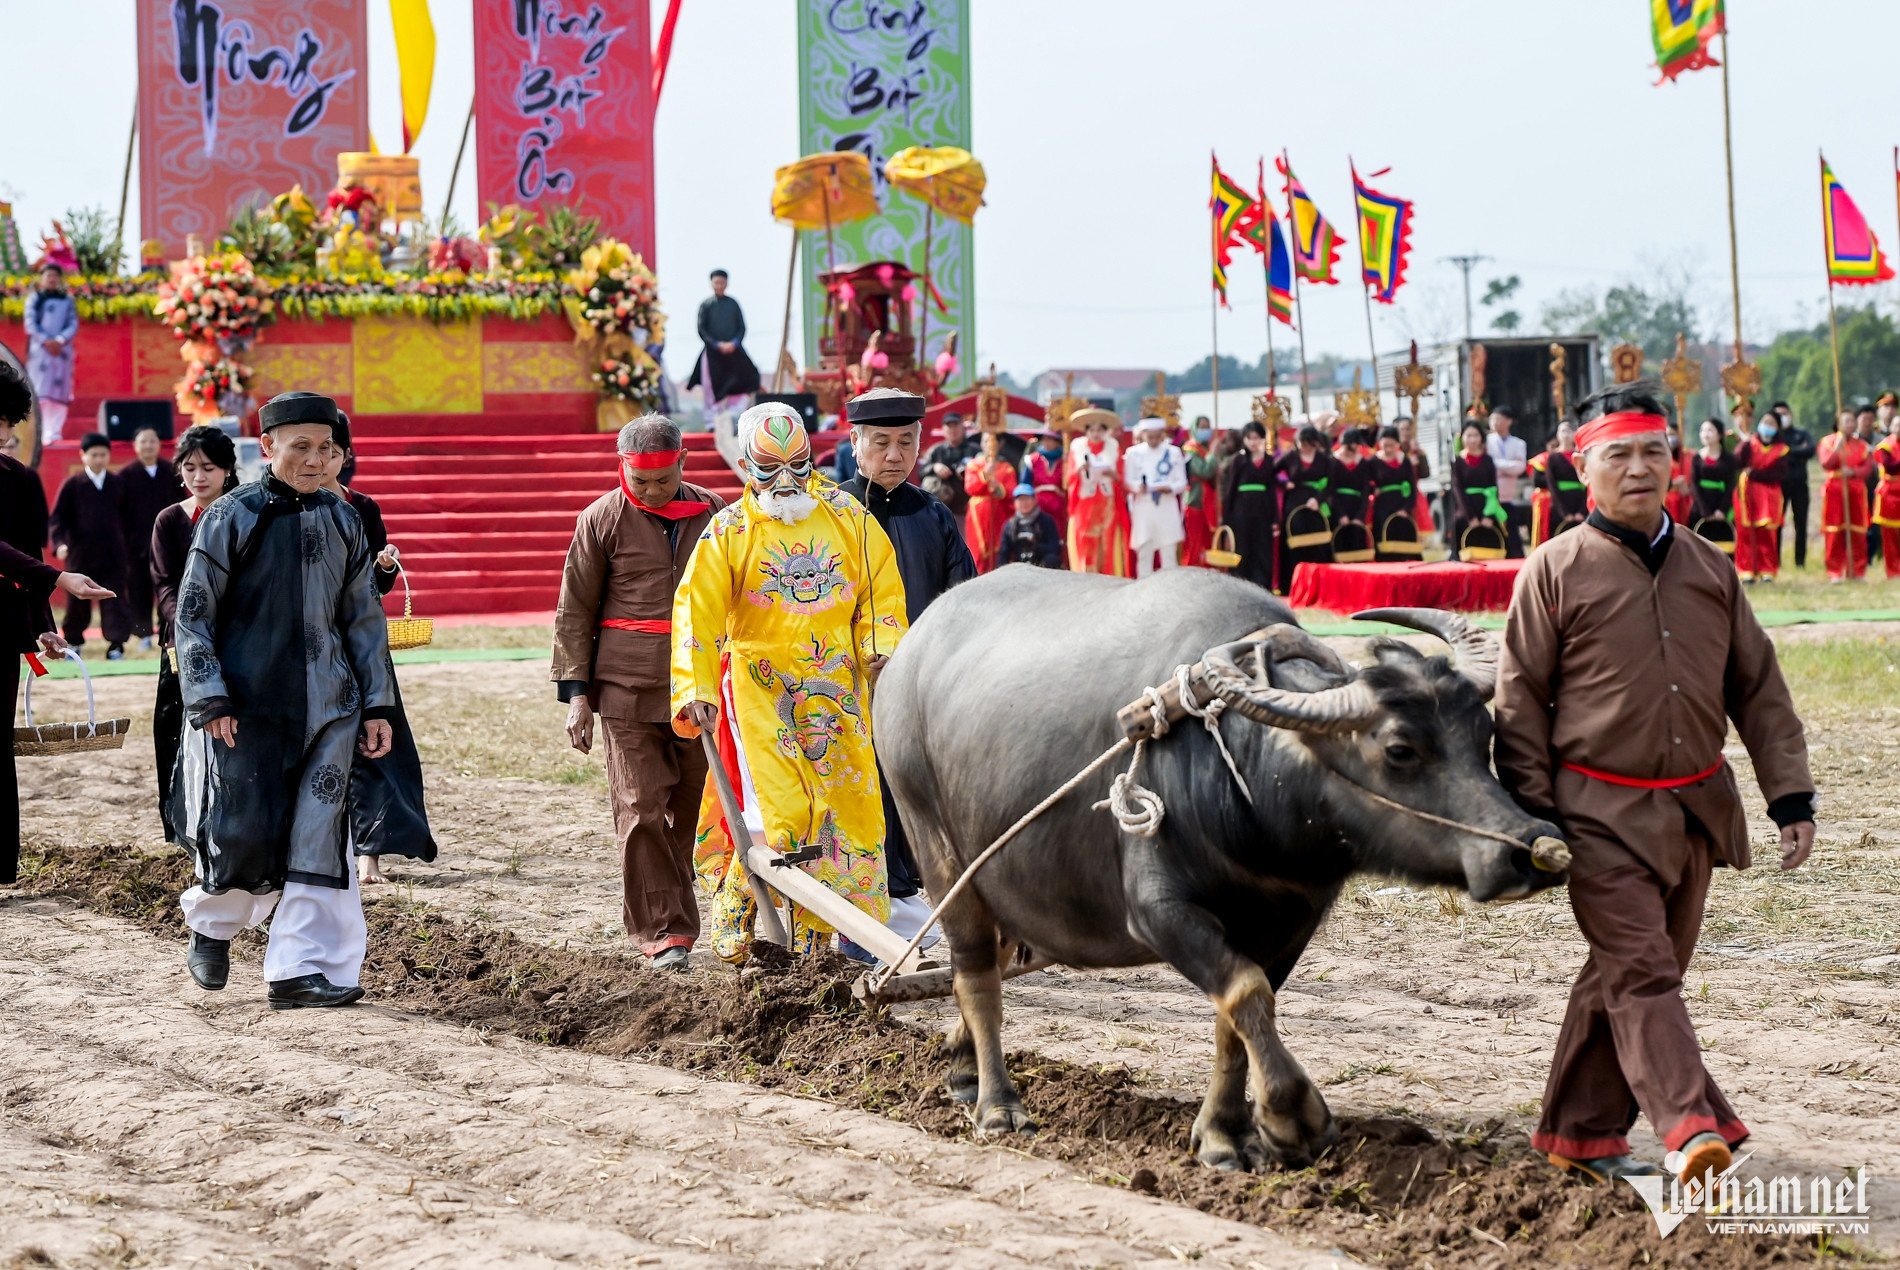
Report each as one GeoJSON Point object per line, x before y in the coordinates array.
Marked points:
{"type": "Point", "coordinates": [789, 507]}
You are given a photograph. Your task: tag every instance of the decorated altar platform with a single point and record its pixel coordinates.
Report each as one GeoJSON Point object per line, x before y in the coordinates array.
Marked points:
{"type": "Point", "coordinates": [1464, 587]}
{"type": "Point", "coordinates": [477, 437]}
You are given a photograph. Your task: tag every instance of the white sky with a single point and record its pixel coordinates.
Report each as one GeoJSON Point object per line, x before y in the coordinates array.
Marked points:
{"type": "Point", "coordinates": [1526, 132]}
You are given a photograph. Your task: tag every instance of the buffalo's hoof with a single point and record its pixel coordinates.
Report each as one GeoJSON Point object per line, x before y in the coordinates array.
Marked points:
{"type": "Point", "coordinates": [1301, 1152]}
{"type": "Point", "coordinates": [1003, 1117]}
{"type": "Point", "coordinates": [962, 1085]}
{"type": "Point", "coordinates": [1230, 1148]}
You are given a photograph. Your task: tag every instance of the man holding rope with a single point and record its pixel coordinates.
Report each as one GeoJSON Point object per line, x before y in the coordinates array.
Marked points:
{"type": "Point", "coordinates": [1628, 649]}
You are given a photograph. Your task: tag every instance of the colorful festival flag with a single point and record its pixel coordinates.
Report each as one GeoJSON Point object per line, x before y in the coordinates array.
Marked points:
{"type": "Point", "coordinates": [1683, 31]}
{"type": "Point", "coordinates": [1854, 257]}
{"type": "Point", "coordinates": [1385, 237]}
{"type": "Point", "coordinates": [1267, 239]}
{"type": "Point", "coordinates": [1234, 211]}
{"type": "Point", "coordinates": [1315, 241]}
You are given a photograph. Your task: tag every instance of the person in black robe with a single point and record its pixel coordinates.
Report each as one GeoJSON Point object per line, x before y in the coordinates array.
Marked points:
{"type": "Point", "coordinates": [723, 365]}
{"type": "Point", "coordinates": [26, 583]}
{"type": "Point", "coordinates": [1030, 536]}
{"type": "Point", "coordinates": [1474, 489]}
{"type": "Point", "coordinates": [1712, 484]}
{"type": "Point", "coordinates": [1250, 505]}
{"type": "Point", "coordinates": [283, 651]}
{"type": "Point", "coordinates": [88, 527]}
{"type": "Point", "coordinates": [206, 464]}
{"type": "Point", "coordinates": [932, 557]}
{"type": "Point", "coordinates": [388, 815]}
{"type": "Point", "coordinates": [1394, 489]}
{"type": "Point", "coordinates": [1352, 481]}
{"type": "Point", "coordinates": [151, 485]}
{"type": "Point", "coordinates": [1305, 474]}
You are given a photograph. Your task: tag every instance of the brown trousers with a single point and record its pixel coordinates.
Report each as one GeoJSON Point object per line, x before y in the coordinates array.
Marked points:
{"type": "Point", "coordinates": [1627, 1042]}
{"type": "Point", "coordinates": [655, 780]}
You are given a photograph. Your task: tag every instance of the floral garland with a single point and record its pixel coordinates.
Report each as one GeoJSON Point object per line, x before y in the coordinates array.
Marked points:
{"type": "Point", "coordinates": [444, 296]}
{"type": "Point", "coordinates": [215, 305]}
{"type": "Point", "coordinates": [630, 376]}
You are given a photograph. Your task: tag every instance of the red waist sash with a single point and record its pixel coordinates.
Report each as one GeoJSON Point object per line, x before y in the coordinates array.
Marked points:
{"type": "Point", "coordinates": [1638, 782]}
{"type": "Point", "coordinates": [645, 625]}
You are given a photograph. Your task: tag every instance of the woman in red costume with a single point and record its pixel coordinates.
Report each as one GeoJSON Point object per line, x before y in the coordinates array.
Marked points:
{"type": "Point", "coordinates": [1098, 511]}
{"type": "Point", "coordinates": [1846, 461]}
{"type": "Point", "coordinates": [990, 481]}
{"type": "Point", "coordinates": [1762, 463]}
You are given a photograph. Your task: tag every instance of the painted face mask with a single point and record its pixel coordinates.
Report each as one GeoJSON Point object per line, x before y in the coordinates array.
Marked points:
{"type": "Point", "coordinates": [778, 454]}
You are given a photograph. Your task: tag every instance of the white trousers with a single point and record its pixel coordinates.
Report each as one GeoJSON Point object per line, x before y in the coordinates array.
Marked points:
{"type": "Point", "coordinates": [908, 914]}
{"type": "Point", "coordinates": [1146, 557]}
{"type": "Point", "coordinates": [52, 420]}
{"type": "Point", "coordinates": [318, 930]}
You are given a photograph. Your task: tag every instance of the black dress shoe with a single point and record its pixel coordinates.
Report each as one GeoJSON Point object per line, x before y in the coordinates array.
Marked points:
{"type": "Point", "coordinates": [209, 961]}
{"type": "Point", "coordinates": [308, 991]}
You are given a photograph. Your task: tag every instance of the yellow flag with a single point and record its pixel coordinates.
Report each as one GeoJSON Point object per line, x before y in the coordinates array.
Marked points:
{"type": "Point", "coordinates": [415, 60]}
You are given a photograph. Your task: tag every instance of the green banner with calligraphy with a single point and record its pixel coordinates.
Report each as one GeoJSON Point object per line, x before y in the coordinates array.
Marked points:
{"type": "Point", "coordinates": [876, 76]}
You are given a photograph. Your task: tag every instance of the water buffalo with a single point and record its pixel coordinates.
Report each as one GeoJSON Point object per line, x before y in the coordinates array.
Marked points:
{"type": "Point", "coordinates": [1010, 684]}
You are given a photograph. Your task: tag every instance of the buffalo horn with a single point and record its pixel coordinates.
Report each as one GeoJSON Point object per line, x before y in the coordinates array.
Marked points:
{"type": "Point", "coordinates": [1341, 709]}
{"type": "Point", "coordinates": [1476, 651]}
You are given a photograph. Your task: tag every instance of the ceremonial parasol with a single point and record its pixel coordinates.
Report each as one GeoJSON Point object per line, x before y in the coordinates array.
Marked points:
{"type": "Point", "coordinates": [949, 180]}
{"type": "Point", "coordinates": [818, 192]}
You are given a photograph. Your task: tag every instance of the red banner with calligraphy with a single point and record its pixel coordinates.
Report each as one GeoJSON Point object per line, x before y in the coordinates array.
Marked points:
{"type": "Point", "coordinates": [238, 101]}
{"type": "Point", "coordinates": [564, 110]}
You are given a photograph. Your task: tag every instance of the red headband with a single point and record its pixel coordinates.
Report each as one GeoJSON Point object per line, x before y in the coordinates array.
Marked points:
{"type": "Point", "coordinates": [653, 459]}
{"type": "Point", "coordinates": [1613, 427]}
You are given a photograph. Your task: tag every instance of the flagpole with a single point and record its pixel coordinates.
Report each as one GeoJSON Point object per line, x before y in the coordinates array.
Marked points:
{"type": "Point", "coordinates": [1365, 290]}
{"type": "Point", "coordinates": [1728, 155]}
{"type": "Point", "coordinates": [1266, 270]}
{"type": "Point", "coordinates": [1213, 292]}
{"type": "Point", "coordinates": [1827, 272]}
{"type": "Point", "coordinates": [1299, 305]}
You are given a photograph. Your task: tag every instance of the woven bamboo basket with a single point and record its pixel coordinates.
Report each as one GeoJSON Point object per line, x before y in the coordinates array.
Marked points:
{"type": "Point", "coordinates": [1399, 536]}
{"type": "Point", "coordinates": [409, 631]}
{"type": "Point", "coordinates": [1219, 557]}
{"type": "Point", "coordinates": [1482, 540]}
{"type": "Point", "coordinates": [41, 740]}
{"type": "Point", "coordinates": [1307, 528]}
{"type": "Point", "coordinates": [1718, 531]}
{"type": "Point", "coordinates": [1352, 544]}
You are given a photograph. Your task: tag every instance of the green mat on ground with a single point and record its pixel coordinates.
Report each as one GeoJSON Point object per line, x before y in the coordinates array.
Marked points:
{"type": "Point", "coordinates": [437, 656]}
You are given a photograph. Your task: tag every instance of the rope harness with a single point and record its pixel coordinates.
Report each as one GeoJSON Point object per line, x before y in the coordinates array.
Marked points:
{"type": "Point", "coordinates": [1138, 810]}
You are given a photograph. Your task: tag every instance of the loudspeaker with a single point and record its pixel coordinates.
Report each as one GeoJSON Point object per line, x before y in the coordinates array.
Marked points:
{"type": "Point", "coordinates": [806, 403]}
{"type": "Point", "coordinates": [123, 420]}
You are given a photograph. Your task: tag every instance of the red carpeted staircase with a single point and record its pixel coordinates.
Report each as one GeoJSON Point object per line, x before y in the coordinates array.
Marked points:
{"type": "Point", "coordinates": [483, 506]}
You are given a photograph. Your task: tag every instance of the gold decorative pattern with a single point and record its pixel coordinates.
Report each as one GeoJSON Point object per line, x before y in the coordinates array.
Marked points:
{"type": "Point", "coordinates": [510, 367]}
{"type": "Point", "coordinates": [404, 365]}
{"type": "Point", "coordinates": [1414, 380]}
{"type": "Point", "coordinates": [1270, 413]}
{"type": "Point", "coordinates": [1559, 381]}
{"type": "Point", "coordinates": [1741, 379]}
{"type": "Point", "coordinates": [1626, 362]}
{"type": "Point", "coordinates": [156, 364]}
{"type": "Point", "coordinates": [1059, 413]}
{"type": "Point", "coordinates": [1358, 406]}
{"type": "Point", "coordinates": [1682, 376]}
{"type": "Point", "coordinates": [323, 368]}
{"type": "Point", "coordinates": [1162, 404]}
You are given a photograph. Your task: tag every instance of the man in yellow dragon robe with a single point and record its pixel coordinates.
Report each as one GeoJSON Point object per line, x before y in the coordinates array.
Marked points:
{"type": "Point", "coordinates": [788, 609]}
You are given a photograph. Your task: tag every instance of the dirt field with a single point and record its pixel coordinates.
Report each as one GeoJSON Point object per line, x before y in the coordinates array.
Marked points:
{"type": "Point", "coordinates": [519, 1091]}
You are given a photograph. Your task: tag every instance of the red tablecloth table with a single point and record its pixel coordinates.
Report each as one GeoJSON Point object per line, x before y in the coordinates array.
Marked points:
{"type": "Point", "coordinates": [1435, 584]}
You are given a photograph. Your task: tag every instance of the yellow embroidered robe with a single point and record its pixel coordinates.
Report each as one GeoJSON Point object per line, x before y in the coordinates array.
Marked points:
{"type": "Point", "coordinates": [780, 620]}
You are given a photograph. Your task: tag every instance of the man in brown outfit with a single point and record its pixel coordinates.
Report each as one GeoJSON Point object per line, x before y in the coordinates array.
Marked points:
{"type": "Point", "coordinates": [612, 649]}
{"type": "Point", "coordinates": [1628, 649]}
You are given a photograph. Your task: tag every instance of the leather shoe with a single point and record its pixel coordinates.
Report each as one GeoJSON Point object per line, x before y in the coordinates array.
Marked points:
{"type": "Point", "coordinates": [310, 991]}
{"type": "Point", "coordinates": [209, 961]}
